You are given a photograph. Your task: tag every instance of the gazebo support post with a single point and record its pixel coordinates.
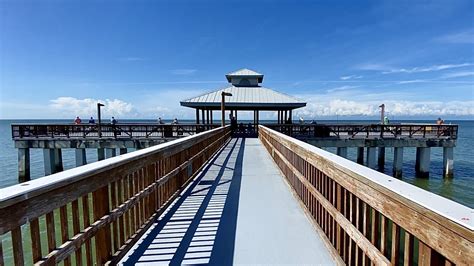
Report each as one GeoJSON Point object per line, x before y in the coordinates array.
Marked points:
{"type": "Point", "coordinates": [202, 115]}
{"type": "Point", "coordinates": [212, 118]}
{"type": "Point", "coordinates": [197, 116]}
{"type": "Point", "coordinates": [290, 118]}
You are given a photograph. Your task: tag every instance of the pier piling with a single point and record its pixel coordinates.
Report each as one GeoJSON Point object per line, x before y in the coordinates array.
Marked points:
{"type": "Point", "coordinates": [371, 157]}
{"type": "Point", "coordinates": [381, 158]}
{"type": "Point", "coordinates": [110, 152]}
{"type": "Point", "coordinates": [360, 155]}
{"type": "Point", "coordinates": [123, 151]}
{"type": "Point", "coordinates": [100, 154]}
{"type": "Point", "coordinates": [448, 162]}
{"type": "Point", "coordinates": [422, 166]}
{"type": "Point", "coordinates": [342, 151]}
{"type": "Point", "coordinates": [49, 161]}
{"type": "Point", "coordinates": [23, 165]}
{"type": "Point", "coordinates": [58, 161]}
{"type": "Point", "coordinates": [398, 162]}
{"type": "Point", "coordinates": [81, 157]}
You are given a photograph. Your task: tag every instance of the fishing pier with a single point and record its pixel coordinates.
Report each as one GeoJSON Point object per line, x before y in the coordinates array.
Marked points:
{"type": "Point", "coordinates": [222, 194]}
{"type": "Point", "coordinates": [370, 140]}
{"type": "Point", "coordinates": [217, 199]}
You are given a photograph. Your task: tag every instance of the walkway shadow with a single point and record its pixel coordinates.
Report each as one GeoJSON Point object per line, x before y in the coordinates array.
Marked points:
{"type": "Point", "coordinates": [200, 227]}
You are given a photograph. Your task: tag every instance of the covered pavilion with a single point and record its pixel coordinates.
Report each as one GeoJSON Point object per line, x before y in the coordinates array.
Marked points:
{"type": "Point", "coordinates": [247, 95]}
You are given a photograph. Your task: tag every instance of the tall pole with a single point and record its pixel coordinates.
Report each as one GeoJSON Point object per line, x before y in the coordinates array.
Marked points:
{"type": "Point", "coordinates": [99, 131]}
{"type": "Point", "coordinates": [222, 109]}
{"type": "Point", "coordinates": [223, 94]}
{"type": "Point", "coordinates": [382, 113]}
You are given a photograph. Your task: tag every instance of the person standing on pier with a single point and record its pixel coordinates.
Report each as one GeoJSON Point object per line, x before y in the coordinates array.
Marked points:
{"type": "Point", "coordinates": [113, 121]}
{"type": "Point", "coordinates": [78, 120]}
{"type": "Point", "coordinates": [92, 121]}
{"type": "Point", "coordinates": [160, 121]}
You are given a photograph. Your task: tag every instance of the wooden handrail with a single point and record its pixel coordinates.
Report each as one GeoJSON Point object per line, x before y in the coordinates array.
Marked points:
{"type": "Point", "coordinates": [108, 204]}
{"type": "Point", "coordinates": [367, 216]}
{"type": "Point", "coordinates": [354, 131]}
{"type": "Point", "coordinates": [117, 131]}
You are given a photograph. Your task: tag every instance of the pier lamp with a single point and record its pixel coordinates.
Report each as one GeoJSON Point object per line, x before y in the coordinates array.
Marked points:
{"type": "Point", "coordinates": [223, 94]}
{"type": "Point", "coordinates": [99, 131]}
{"type": "Point", "coordinates": [382, 113]}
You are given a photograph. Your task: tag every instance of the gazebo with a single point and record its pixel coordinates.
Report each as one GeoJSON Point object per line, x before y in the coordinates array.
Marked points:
{"type": "Point", "coordinates": [247, 95]}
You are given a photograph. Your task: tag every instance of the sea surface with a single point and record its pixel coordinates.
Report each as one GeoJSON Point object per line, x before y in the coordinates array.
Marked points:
{"type": "Point", "coordinates": [460, 188]}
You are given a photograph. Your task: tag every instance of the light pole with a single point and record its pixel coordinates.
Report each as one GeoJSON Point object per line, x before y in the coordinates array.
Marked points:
{"type": "Point", "coordinates": [223, 94]}
{"type": "Point", "coordinates": [382, 113]}
{"type": "Point", "coordinates": [99, 131]}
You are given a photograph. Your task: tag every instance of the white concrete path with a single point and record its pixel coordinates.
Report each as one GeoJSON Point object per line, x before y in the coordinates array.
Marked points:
{"type": "Point", "coordinates": [239, 210]}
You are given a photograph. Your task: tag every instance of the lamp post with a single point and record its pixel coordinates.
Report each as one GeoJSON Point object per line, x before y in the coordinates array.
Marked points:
{"type": "Point", "coordinates": [223, 94]}
{"type": "Point", "coordinates": [99, 131]}
{"type": "Point", "coordinates": [382, 113]}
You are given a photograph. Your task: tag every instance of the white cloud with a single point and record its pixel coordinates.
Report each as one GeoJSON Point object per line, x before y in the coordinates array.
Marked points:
{"type": "Point", "coordinates": [341, 88]}
{"type": "Point", "coordinates": [351, 77]}
{"type": "Point", "coordinates": [384, 69]}
{"type": "Point", "coordinates": [412, 81]}
{"type": "Point", "coordinates": [458, 74]}
{"type": "Point", "coordinates": [426, 69]}
{"type": "Point", "coordinates": [367, 105]}
{"type": "Point", "coordinates": [464, 37]}
{"type": "Point", "coordinates": [340, 107]}
{"type": "Point", "coordinates": [183, 71]}
{"type": "Point", "coordinates": [70, 107]}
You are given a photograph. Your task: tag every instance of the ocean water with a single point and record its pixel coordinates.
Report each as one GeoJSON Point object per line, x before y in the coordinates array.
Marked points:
{"type": "Point", "coordinates": [459, 188]}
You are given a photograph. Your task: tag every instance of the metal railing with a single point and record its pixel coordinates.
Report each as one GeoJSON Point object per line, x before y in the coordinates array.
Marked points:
{"type": "Point", "coordinates": [357, 131]}
{"type": "Point", "coordinates": [368, 217]}
{"type": "Point", "coordinates": [117, 131]}
{"type": "Point", "coordinates": [93, 214]}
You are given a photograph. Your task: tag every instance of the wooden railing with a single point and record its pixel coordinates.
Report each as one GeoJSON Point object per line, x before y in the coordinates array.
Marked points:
{"type": "Point", "coordinates": [93, 214]}
{"type": "Point", "coordinates": [117, 131]}
{"type": "Point", "coordinates": [355, 131]}
{"type": "Point", "coordinates": [367, 217]}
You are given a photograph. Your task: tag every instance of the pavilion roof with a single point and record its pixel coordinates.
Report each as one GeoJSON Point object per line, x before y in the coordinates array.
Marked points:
{"type": "Point", "coordinates": [245, 98]}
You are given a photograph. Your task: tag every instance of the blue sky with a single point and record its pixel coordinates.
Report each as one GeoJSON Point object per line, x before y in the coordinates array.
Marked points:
{"type": "Point", "coordinates": [57, 58]}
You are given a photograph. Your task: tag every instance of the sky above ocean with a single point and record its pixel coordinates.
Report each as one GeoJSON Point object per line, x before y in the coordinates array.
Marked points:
{"type": "Point", "coordinates": [58, 58]}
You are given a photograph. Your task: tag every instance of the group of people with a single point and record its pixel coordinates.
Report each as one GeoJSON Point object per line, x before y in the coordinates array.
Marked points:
{"type": "Point", "coordinates": [78, 120]}
{"type": "Point", "coordinates": [161, 122]}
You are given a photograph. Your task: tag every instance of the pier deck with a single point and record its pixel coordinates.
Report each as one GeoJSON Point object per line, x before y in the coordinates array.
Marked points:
{"type": "Point", "coordinates": [238, 210]}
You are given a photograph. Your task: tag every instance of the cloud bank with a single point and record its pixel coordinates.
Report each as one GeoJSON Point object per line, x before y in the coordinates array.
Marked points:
{"type": "Point", "coordinates": [88, 107]}
{"type": "Point", "coordinates": [343, 107]}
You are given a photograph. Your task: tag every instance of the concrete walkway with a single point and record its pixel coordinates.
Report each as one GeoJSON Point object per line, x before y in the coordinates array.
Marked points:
{"type": "Point", "coordinates": [239, 210]}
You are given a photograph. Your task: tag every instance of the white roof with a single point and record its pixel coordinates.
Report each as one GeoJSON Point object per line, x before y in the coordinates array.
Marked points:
{"type": "Point", "coordinates": [244, 72]}
{"type": "Point", "coordinates": [250, 97]}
